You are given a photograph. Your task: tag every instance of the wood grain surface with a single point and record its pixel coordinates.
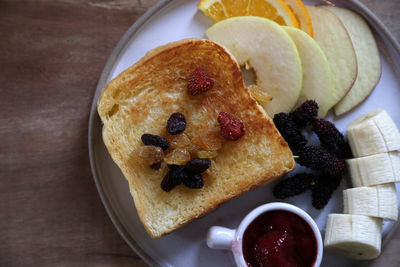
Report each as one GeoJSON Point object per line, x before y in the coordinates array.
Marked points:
{"type": "Point", "coordinates": [52, 53]}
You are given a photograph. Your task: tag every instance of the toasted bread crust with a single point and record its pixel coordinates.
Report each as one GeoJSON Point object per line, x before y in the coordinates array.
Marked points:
{"type": "Point", "coordinates": [141, 99]}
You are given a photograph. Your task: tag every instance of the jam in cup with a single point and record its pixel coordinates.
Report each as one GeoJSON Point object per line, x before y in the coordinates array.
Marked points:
{"type": "Point", "coordinates": [274, 234]}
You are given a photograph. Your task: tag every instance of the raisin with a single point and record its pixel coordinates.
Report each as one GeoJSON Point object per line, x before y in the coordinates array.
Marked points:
{"type": "Point", "coordinates": [199, 82]}
{"type": "Point", "coordinates": [198, 165]}
{"type": "Point", "coordinates": [149, 155]}
{"type": "Point", "coordinates": [177, 156]}
{"type": "Point", "coordinates": [203, 154]}
{"type": "Point", "coordinates": [193, 150]}
{"type": "Point", "coordinates": [155, 140]}
{"type": "Point", "coordinates": [209, 141]}
{"type": "Point", "coordinates": [172, 166]}
{"type": "Point", "coordinates": [156, 166]}
{"type": "Point", "coordinates": [232, 128]}
{"type": "Point", "coordinates": [178, 141]}
{"type": "Point", "coordinates": [176, 123]}
{"type": "Point", "coordinates": [259, 93]}
{"type": "Point", "coordinates": [178, 174]}
{"type": "Point", "coordinates": [167, 183]}
{"type": "Point", "coordinates": [194, 181]}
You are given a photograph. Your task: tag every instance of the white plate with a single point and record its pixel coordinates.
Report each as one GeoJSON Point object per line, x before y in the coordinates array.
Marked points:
{"type": "Point", "coordinates": [174, 20]}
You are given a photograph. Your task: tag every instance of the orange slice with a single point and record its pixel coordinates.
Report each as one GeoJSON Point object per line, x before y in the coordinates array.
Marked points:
{"type": "Point", "coordinates": [275, 10]}
{"type": "Point", "coordinates": [301, 14]}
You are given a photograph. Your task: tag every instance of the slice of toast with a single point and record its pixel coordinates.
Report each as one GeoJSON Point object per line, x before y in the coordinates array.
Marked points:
{"type": "Point", "coordinates": [141, 99]}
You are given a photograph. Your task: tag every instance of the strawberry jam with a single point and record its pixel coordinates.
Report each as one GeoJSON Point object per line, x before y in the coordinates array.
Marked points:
{"type": "Point", "coordinates": [279, 238]}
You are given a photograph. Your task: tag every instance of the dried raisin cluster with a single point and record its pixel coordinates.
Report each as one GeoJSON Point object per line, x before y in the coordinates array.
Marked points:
{"type": "Point", "coordinates": [179, 148]}
{"type": "Point", "coordinates": [326, 161]}
{"type": "Point", "coordinates": [189, 174]}
{"type": "Point", "coordinates": [182, 169]}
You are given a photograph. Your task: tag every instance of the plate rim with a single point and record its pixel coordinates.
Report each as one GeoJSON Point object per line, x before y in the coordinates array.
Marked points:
{"type": "Point", "coordinates": [95, 122]}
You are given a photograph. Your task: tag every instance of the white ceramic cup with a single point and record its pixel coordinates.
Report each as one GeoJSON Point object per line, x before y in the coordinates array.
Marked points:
{"type": "Point", "coordinates": [231, 239]}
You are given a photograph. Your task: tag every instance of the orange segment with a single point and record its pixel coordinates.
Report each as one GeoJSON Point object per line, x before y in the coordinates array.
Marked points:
{"type": "Point", "coordinates": [235, 8]}
{"type": "Point", "coordinates": [302, 16]}
{"type": "Point", "coordinates": [275, 10]}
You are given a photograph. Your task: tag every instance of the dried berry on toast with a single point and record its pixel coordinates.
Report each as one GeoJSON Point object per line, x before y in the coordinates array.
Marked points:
{"type": "Point", "coordinates": [149, 155]}
{"type": "Point", "coordinates": [154, 140]}
{"type": "Point", "coordinates": [167, 183]}
{"type": "Point", "coordinates": [194, 181]}
{"type": "Point", "coordinates": [232, 128]}
{"type": "Point", "coordinates": [199, 82]}
{"type": "Point", "coordinates": [178, 156]}
{"type": "Point", "coordinates": [176, 123]}
{"type": "Point", "coordinates": [198, 165]}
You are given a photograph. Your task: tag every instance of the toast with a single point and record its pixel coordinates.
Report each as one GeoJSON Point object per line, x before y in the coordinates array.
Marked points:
{"type": "Point", "coordinates": [141, 99]}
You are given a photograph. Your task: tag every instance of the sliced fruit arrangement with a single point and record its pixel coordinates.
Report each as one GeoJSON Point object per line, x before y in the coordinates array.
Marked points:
{"type": "Point", "coordinates": [316, 71]}
{"type": "Point", "coordinates": [353, 236]}
{"type": "Point", "coordinates": [374, 139]}
{"type": "Point", "coordinates": [376, 201]}
{"type": "Point", "coordinates": [301, 13]}
{"type": "Point", "coordinates": [275, 10]}
{"type": "Point", "coordinates": [365, 171]}
{"type": "Point", "coordinates": [266, 47]}
{"type": "Point", "coordinates": [368, 61]}
{"type": "Point", "coordinates": [332, 36]}
{"type": "Point", "coordinates": [373, 133]}
{"type": "Point", "coordinates": [343, 50]}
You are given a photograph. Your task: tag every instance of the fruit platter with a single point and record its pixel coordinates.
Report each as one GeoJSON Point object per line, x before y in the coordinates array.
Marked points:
{"type": "Point", "coordinates": [208, 110]}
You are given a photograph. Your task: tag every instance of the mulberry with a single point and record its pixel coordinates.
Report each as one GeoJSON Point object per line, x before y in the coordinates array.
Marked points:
{"type": "Point", "coordinates": [294, 185]}
{"type": "Point", "coordinates": [305, 114]}
{"type": "Point", "coordinates": [331, 138]}
{"type": "Point", "coordinates": [289, 131]}
{"type": "Point", "coordinates": [317, 158]}
{"type": "Point", "coordinates": [323, 189]}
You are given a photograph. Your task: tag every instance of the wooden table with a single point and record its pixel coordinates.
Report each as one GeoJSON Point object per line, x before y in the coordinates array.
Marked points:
{"type": "Point", "coordinates": [52, 53]}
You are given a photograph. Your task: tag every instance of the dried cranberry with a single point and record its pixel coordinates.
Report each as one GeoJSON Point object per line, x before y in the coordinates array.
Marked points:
{"type": "Point", "coordinates": [176, 123]}
{"type": "Point", "coordinates": [194, 181]}
{"type": "Point", "coordinates": [232, 128]}
{"type": "Point", "coordinates": [199, 82]}
{"type": "Point", "coordinates": [155, 140]}
{"type": "Point", "coordinates": [198, 165]}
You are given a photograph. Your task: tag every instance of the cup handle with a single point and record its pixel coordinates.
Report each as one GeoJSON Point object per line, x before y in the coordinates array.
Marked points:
{"type": "Point", "coordinates": [220, 237]}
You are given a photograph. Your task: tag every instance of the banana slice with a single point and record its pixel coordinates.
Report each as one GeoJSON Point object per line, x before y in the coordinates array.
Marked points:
{"type": "Point", "coordinates": [373, 133]}
{"type": "Point", "coordinates": [377, 201]}
{"type": "Point", "coordinates": [353, 236]}
{"type": "Point", "coordinates": [376, 169]}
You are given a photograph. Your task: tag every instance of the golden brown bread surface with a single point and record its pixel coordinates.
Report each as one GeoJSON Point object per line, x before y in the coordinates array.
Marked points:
{"type": "Point", "coordinates": [141, 99]}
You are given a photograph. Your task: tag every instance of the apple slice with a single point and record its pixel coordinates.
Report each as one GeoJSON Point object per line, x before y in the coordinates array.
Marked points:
{"type": "Point", "coordinates": [331, 35]}
{"type": "Point", "coordinates": [317, 76]}
{"type": "Point", "coordinates": [368, 61]}
{"type": "Point", "coordinates": [265, 46]}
